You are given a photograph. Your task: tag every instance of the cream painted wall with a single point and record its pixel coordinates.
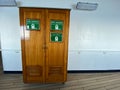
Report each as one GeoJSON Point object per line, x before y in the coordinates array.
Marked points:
{"type": "Point", "coordinates": [93, 37]}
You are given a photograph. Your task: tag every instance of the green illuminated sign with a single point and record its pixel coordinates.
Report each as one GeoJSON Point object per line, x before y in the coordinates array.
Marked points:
{"type": "Point", "coordinates": [56, 25]}
{"type": "Point", "coordinates": [32, 24]}
{"type": "Point", "coordinates": [56, 37]}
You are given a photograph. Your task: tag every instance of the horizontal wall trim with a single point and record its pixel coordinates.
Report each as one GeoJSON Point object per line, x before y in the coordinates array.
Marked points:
{"type": "Point", "coordinates": [12, 72]}
{"type": "Point", "coordinates": [92, 71]}
{"type": "Point", "coordinates": [97, 50]}
{"type": "Point", "coordinates": [70, 71]}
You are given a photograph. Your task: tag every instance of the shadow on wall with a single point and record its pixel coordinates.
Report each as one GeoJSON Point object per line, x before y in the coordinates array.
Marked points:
{"type": "Point", "coordinates": [0, 58]}
{"type": "Point", "coordinates": [1, 66]}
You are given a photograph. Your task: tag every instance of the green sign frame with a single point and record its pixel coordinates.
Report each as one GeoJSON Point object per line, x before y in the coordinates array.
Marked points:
{"type": "Point", "coordinates": [32, 24]}
{"type": "Point", "coordinates": [56, 37]}
{"type": "Point", "coordinates": [56, 25]}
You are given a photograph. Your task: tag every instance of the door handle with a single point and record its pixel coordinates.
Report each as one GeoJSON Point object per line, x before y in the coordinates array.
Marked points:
{"type": "Point", "coordinates": [45, 47]}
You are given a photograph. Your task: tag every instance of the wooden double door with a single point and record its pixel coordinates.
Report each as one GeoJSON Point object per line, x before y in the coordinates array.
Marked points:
{"type": "Point", "coordinates": [44, 38]}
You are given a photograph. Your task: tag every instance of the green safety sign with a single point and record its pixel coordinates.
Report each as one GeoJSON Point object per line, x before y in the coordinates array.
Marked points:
{"type": "Point", "coordinates": [56, 25]}
{"type": "Point", "coordinates": [32, 24]}
{"type": "Point", "coordinates": [56, 37]}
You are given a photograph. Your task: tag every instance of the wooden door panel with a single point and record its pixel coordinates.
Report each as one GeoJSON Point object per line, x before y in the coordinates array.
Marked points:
{"type": "Point", "coordinates": [34, 39]}
{"type": "Point", "coordinates": [55, 74]}
{"type": "Point", "coordinates": [55, 49]}
{"type": "Point", "coordinates": [56, 56]}
{"type": "Point", "coordinates": [32, 44]}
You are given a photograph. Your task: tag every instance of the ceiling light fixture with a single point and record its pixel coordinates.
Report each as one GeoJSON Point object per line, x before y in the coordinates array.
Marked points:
{"type": "Point", "coordinates": [8, 3]}
{"type": "Point", "coordinates": [86, 6]}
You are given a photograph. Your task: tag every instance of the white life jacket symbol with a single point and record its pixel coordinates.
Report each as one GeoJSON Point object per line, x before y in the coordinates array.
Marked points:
{"type": "Point", "coordinates": [56, 38]}
{"type": "Point", "coordinates": [56, 27]}
{"type": "Point", "coordinates": [32, 26]}
{"type": "Point", "coordinates": [28, 27]}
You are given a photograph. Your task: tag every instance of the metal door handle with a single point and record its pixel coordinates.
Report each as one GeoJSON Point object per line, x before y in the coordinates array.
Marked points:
{"type": "Point", "coordinates": [45, 47]}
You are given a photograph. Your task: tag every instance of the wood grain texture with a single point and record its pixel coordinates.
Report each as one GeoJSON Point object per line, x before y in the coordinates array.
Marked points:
{"type": "Point", "coordinates": [56, 54]}
{"type": "Point", "coordinates": [32, 44]}
{"type": "Point", "coordinates": [38, 51]}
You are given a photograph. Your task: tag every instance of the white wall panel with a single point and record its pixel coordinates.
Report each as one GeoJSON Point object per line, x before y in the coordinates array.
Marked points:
{"type": "Point", "coordinates": [10, 28]}
{"type": "Point", "coordinates": [12, 60]}
{"type": "Point", "coordinates": [94, 60]}
{"type": "Point", "coordinates": [93, 37]}
{"type": "Point", "coordinates": [10, 39]}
